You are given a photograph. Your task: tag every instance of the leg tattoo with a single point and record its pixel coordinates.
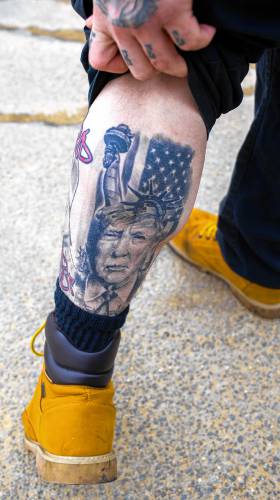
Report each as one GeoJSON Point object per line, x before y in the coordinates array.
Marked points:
{"type": "Point", "coordinates": [133, 210]}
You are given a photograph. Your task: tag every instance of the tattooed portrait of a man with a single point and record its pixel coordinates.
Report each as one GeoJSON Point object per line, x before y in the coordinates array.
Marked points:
{"type": "Point", "coordinates": [133, 215]}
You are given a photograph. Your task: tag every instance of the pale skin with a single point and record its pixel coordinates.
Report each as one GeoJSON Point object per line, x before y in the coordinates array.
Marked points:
{"type": "Point", "coordinates": [142, 35]}
{"type": "Point", "coordinates": [157, 168]}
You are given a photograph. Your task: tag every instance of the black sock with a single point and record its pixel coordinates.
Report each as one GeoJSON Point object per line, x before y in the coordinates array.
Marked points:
{"type": "Point", "coordinates": [86, 331]}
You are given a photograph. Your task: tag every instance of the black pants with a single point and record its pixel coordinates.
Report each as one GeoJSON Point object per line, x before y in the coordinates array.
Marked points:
{"type": "Point", "coordinates": [249, 219]}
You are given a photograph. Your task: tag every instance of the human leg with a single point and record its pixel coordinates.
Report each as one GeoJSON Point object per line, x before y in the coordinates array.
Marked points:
{"type": "Point", "coordinates": [135, 174]}
{"type": "Point", "coordinates": [146, 143]}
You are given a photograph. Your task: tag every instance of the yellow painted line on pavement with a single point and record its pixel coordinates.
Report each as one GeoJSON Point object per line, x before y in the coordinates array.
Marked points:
{"type": "Point", "coordinates": [68, 35]}
{"type": "Point", "coordinates": [249, 90]}
{"type": "Point", "coordinates": [59, 119]}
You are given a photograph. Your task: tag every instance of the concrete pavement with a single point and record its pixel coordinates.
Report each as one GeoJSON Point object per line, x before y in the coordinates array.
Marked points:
{"type": "Point", "coordinates": [197, 376]}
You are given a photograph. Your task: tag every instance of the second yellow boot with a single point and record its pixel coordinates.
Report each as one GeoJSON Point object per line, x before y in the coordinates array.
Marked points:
{"type": "Point", "coordinates": [197, 244]}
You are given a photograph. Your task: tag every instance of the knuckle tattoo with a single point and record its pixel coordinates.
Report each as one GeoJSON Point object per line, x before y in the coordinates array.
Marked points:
{"type": "Point", "coordinates": [179, 40]}
{"type": "Point", "coordinates": [126, 57]}
{"type": "Point", "coordinates": [91, 38]}
{"type": "Point", "coordinates": [150, 51]}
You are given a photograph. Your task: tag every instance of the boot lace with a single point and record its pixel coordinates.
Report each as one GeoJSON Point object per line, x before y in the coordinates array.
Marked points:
{"type": "Point", "coordinates": [209, 231]}
{"type": "Point", "coordinates": [33, 339]}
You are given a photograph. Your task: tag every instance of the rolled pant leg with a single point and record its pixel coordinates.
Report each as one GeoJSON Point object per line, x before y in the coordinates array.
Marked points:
{"type": "Point", "coordinates": [249, 218]}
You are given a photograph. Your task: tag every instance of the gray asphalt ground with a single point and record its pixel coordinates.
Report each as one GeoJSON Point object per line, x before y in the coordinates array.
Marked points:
{"type": "Point", "coordinates": [197, 376]}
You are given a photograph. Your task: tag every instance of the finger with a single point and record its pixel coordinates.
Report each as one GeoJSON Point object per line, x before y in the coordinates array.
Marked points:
{"type": "Point", "coordinates": [116, 65]}
{"type": "Point", "coordinates": [135, 59]}
{"type": "Point", "coordinates": [104, 53]}
{"type": "Point", "coordinates": [188, 34]}
{"type": "Point", "coordinates": [163, 54]}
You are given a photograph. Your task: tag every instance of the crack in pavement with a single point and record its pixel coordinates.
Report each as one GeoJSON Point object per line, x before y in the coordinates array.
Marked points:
{"type": "Point", "coordinates": [61, 118]}
{"type": "Point", "coordinates": [67, 35]}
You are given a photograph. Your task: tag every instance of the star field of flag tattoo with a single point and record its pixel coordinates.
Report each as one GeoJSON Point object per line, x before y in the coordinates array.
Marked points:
{"type": "Point", "coordinates": [167, 169]}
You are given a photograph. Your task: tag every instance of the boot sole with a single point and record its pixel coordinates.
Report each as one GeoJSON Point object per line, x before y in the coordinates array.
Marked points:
{"type": "Point", "coordinates": [265, 311]}
{"type": "Point", "coordinates": [73, 470]}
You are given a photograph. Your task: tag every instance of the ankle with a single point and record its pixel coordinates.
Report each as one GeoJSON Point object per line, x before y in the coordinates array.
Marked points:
{"type": "Point", "coordinates": [86, 331]}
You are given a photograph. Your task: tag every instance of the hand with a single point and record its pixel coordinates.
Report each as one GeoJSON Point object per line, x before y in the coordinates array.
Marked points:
{"type": "Point", "coordinates": [142, 35]}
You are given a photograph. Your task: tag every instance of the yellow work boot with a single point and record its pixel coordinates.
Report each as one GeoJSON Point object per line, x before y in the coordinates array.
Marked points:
{"type": "Point", "coordinates": [68, 426]}
{"type": "Point", "coordinates": [197, 244]}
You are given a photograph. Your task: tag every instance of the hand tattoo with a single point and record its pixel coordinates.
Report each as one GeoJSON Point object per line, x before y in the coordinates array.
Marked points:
{"type": "Point", "coordinates": [126, 57]}
{"type": "Point", "coordinates": [150, 51]}
{"type": "Point", "coordinates": [128, 13]}
{"type": "Point", "coordinates": [179, 40]}
{"type": "Point", "coordinates": [91, 38]}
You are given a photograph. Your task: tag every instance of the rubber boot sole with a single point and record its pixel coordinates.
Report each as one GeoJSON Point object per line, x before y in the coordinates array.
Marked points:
{"type": "Point", "coordinates": [73, 470]}
{"type": "Point", "coordinates": [264, 310]}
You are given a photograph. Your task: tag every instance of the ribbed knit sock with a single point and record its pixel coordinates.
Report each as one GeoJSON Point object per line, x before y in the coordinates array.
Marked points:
{"type": "Point", "coordinates": [86, 331]}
